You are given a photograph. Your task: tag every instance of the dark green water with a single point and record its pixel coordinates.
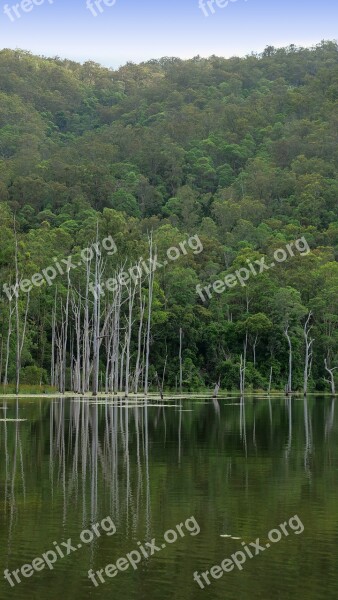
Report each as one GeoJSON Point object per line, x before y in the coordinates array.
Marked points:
{"type": "Point", "coordinates": [239, 470]}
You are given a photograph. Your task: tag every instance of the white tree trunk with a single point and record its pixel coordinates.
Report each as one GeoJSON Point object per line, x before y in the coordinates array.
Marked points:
{"type": "Point", "coordinates": [332, 381]}
{"type": "Point", "coordinates": [308, 351]}
{"type": "Point", "coordinates": [150, 301]}
{"type": "Point", "coordinates": [289, 384]}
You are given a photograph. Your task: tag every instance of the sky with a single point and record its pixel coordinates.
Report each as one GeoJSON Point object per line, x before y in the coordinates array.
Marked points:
{"type": "Point", "coordinates": [138, 30]}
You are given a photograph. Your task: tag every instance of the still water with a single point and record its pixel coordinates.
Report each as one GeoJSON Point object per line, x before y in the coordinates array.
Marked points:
{"type": "Point", "coordinates": [236, 468]}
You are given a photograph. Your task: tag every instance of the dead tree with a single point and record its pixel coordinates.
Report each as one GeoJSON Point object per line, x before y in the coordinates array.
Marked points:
{"type": "Point", "coordinates": [142, 304]}
{"type": "Point", "coordinates": [76, 308]}
{"type": "Point", "coordinates": [217, 388]}
{"type": "Point", "coordinates": [288, 388]}
{"type": "Point", "coordinates": [116, 342]}
{"type": "Point", "coordinates": [9, 333]}
{"type": "Point", "coordinates": [64, 338]}
{"type": "Point", "coordinates": [180, 360]}
{"type": "Point", "coordinates": [86, 335]}
{"type": "Point", "coordinates": [52, 362]}
{"type": "Point", "coordinates": [270, 380]}
{"type": "Point", "coordinates": [97, 332]}
{"type": "Point", "coordinates": [242, 367]}
{"type": "Point", "coordinates": [20, 332]}
{"type": "Point", "coordinates": [308, 351]}
{"type": "Point", "coordinates": [131, 298]}
{"type": "Point", "coordinates": [151, 274]}
{"type": "Point", "coordinates": [331, 381]}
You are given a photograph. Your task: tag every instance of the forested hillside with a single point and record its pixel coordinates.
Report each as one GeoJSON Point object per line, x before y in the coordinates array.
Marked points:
{"type": "Point", "coordinates": [241, 153]}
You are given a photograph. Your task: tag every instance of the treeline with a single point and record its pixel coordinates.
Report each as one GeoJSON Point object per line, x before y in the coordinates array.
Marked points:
{"type": "Point", "coordinates": [241, 152]}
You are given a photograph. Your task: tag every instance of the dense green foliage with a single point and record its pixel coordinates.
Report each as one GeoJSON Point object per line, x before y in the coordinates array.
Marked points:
{"type": "Point", "coordinates": [242, 152]}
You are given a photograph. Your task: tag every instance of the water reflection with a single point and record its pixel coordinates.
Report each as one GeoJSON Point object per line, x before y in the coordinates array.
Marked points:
{"type": "Point", "coordinates": [74, 461]}
{"type": "Point", "coordinates": [93, 444]}
{"type": "Point", "coordinates": [110, 442]}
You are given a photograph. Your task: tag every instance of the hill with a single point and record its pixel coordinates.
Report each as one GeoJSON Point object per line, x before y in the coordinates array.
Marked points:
{"type": "Point", "coordinates": [236, 156]}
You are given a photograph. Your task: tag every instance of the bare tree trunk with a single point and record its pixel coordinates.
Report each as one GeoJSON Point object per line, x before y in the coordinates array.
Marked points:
{"type": "Point", "coordinates": [96, 323]}
{"type": "Point", "coordinates": [270, 381]}
{"type": "Point", "coordinates": [116, 346]}
{"type": "Point", "coordinates": [20, 335]}
{"type": "Point", "coordinates": [1, 354]}
{"type": "Point", "coordinates": [76, 308]}
{"type": "Point", "coordinates": [150, 302]}
{"type": "Point", "coordinates": [143, 358]}
{"type": "Point", "coordinates": [241, 375]}
{"type": "Point", "coordinates": [254, 346]}
{"type": "Point", "coordinates": [164, 368]}
{"type": "Point", "coordinates": [308, 351]}
{"type": "Point", "coordinates": [86, 342]}
{"type": "Point", "coordinates": [128, 335]}
{"type": "Point", "coordinates": [109, 353]}
{"type": "Point", "coordinates": [242, 368]}
{"type": "Point", "coordinates": [9, 333]}
{"type": "Point", "coordinates": [139, 340]}
{"type": "Point", "coordinates": [289, 384]}
{"type": "Point", "coordinates": [332, 382]}
{"type": "Point", "coordinates": [20, 341]}
{"type": "Point", "coordinates": [72, 361]}
{"type": "Point", "coordinates": [52, 362]}
{"type": "Point", "coordinates": [64, 333]}
{"type": "Point", "coordinates": [180, 359]}
{"type": "Point", "coordinates": [160, 387]}
{"type": "Point", "coordinates": [217, 388]}
{"type": "Point", "coordinates": [122, 362]}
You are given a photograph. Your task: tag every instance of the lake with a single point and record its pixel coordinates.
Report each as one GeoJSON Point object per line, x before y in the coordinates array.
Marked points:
{"type": "Point", "coordinates": [191, 482]}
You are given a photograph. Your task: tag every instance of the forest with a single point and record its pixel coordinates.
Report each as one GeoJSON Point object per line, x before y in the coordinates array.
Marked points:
{"type": "Point", "coordinates": [240, 154]}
